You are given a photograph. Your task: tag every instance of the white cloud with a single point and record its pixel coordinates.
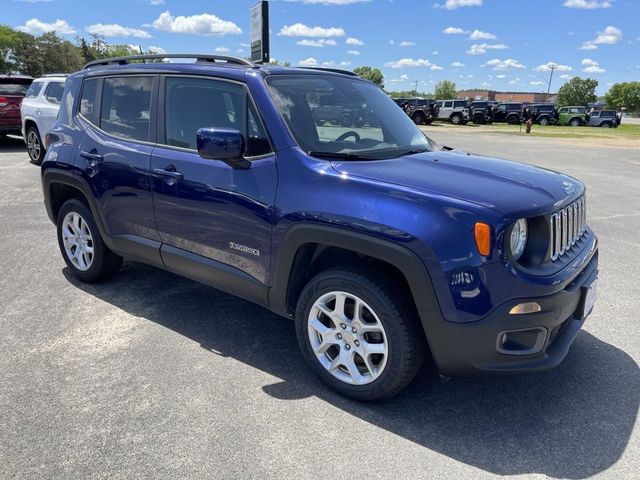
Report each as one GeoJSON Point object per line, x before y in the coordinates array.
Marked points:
{"type": "Point", "coordinates": [353, 52]}
{"type": "Point", "coordinates": [504, 64]}
{"type": "Point", "coordinates": [406, 44]}
{"type": "Point", "coordinates": [115, 30]}
{"type": "Point", "coordinates": [345, 64]}
{"type": "Point", "coordinates": [354, 41]}
{"type": "Point", "coordinates": [156, 2]}
{"type": "Point", "coordinates": [547, 66]}
{"type": "Point", "coordinates": [154, 49]}
{"type": "Point", "coordinates": [435, 52]}
{"type": "Point", "coordinates": [309, 62]}
{"type": "Point", "coordinates": [565, 76]}
{"type": "Point", "coordinates": [35, 26]}
{"type": "Point", "coordinates": [35, 1]}
{"type": "Point", "coordinates": [501, 76]}
{"type": "Point", "coordinates": [609, 36]}
{"type": "Point", "coordinates": [320, 42]}
{"type": "Point", "coordinates": [453, 4]}
{"type": "Point", "coordinates": [536, 82]}
{"type": "Point", "coordinates": [302, 30]}
{"type": "Point", "coordinates": [480, 35]}
{"type": "Point", "coordinates": [454, 31]}
{"type": "Point", "coordinates": [591, 66]}
{"type": "Point", "coordinates": [202, 24]}
{"type": "Point", "coordinates": [436, 68]}
{"type": "Point", "coordinates": [221, 49]}
{"type": "Point", "coordinates": [587, 4]}
{"type": "Point", "coordinates": [412, 63]}
{"type": "Point", "coordinates": [404, 77]}
{"type": "Point", "coordinates": [480, 49]}
{"type": "Point", "coordinates": [457, 64]}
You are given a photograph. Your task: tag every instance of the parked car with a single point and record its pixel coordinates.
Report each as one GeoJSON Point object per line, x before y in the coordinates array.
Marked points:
{"type": "Point", "coordinates": [544, 113]}
{"type": "Point", "coordinates": [382, 250]}
{"type": "Point", "coordinates": [509, 112]}
{"type": "Point", "coordinates": [481, 111]}
{"type": "Point", "coordinates": [12, 91]}
{"type": "Point", "coordinates": [604, 118]}
{"type": "Point", "coordinates": [420, 110]}
{"type": "Point", "coordinates": [573, 116]}
{"type": "Point", "coordinates": [454, 111]}
{"type": "Point", "coordinates": [337, 111]}
{"type": "Point", "coordinates": [39, 111]}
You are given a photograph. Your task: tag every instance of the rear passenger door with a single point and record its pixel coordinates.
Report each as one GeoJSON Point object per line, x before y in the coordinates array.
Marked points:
{"type": "Point", "coordinates": [212, 218]}
{"type": "Point", "coordinates": [114, 157]}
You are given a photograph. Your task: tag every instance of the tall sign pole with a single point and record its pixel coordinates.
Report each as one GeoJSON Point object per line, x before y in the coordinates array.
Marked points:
{"type": "Point", "coordinates": [260, 32]}
{"type": "Point", "coordinates": [553, 67]}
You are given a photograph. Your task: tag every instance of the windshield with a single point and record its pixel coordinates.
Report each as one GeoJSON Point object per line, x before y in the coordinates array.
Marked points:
{"type": "Point", "coordinates": [345, 117]}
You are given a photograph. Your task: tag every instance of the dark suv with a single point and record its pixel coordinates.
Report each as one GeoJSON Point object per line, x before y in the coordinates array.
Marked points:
{"type": "Point", "coordinates": [509, 112]}
{"type": "Point", "coordinates": [544, 113]}
{"type": "Point", "coordinates": [481, 111]}
{"type": "Point", "coordinates": [383, 249]}
{"type": "Point", "coordinates": [12, 91]}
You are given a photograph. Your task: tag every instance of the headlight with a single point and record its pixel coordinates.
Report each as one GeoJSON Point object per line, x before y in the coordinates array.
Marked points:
{"type": "Point", "coordinates": [518, 239]}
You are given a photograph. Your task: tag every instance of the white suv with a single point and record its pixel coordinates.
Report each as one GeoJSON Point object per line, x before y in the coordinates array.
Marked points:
{"type": "Point", "coordinates": [39, 112]}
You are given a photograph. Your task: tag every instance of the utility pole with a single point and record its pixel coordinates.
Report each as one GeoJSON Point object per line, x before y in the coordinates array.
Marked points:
{"type": "Point", "coordinates": [553, 67]}
{"type": "Point", "coordinates": [416, 88]}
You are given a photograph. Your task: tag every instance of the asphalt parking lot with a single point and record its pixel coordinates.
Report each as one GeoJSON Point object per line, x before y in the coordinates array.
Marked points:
{"type": "Point", "coordinates": [154, 376]}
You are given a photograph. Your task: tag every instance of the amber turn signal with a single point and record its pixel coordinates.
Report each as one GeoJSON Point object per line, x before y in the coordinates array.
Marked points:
{"type": "Point", "coordinates": [482, 232]}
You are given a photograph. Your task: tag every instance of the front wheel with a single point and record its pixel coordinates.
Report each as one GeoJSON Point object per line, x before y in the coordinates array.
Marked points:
{"type": "Point", "coordinates": [456, 119]}
{"type": "Point", "coordinates": [356, 330]}
{"type": "Point", "coordinates": [574, 122]}
{"type": "Point", "coordinates": [418, 118]}
{"type": "Point", "coordinates": [81, 245]}
{"type": "Point", "coordinates": [544, 121]}
{"type": "Point", "coordinates": [35, 148]}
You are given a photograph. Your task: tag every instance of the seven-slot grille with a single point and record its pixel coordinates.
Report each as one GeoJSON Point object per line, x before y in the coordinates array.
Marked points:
{"type": "Point", "coordinates": [567, 226]}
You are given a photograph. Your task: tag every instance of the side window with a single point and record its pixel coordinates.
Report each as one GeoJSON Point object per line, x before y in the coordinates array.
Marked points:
{"type": "Point", "coordinates": [257, 140]}
{"type": "Point", "coordinates": [88, 100]}
{"type": "Point", "coordinates": [125, 107]}
{"type": "Point", "coordinates": [595, 114]}
{"type": "Point", "coordinates": [460, 104]}
{"type": "Point", "coordinates": [34, 90]}
{"type": "Point", "coordinates": [501, 108]}
{"type": "Point", "coordinates": [194, 103]}
{"type": "Point", "coordinates": [53, 93]}
{"type": "Point", "coordinates": [563, 110]}
{"type": "Point", "coordinates": [448, 104]}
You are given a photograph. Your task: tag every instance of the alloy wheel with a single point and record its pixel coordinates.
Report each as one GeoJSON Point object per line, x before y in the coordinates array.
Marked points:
{"type": "Point", "coordinates": [347, 338]}
{"type": "Point", "coordinates": [77, 241]}
{"type": "Point", "coordinates": [33, 145]}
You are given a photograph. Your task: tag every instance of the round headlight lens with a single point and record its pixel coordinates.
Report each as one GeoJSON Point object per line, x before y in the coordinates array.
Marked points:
{"type": "Point", "coordinates": [518, 240]}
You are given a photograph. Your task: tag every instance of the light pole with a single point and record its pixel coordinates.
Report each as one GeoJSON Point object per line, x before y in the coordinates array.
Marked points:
{"type": "Point", "coordinates": [553, 67]}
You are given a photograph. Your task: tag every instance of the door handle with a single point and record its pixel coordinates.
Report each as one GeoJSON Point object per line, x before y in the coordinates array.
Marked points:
{"type": "Point", "coordinates": [92, 156]}
{"type": "Point", "coordinates": [161, 172]}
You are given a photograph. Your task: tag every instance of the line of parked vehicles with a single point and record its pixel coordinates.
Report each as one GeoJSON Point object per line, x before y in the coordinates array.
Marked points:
{"type": "Point", "coordinates": [460, 112]}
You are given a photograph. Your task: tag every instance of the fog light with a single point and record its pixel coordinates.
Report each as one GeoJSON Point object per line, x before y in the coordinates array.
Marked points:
{"type": "Point", "coordinates": [524, 308]}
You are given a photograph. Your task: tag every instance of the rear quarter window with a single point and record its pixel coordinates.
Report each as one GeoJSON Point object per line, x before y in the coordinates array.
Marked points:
{"type": "Point", "coordinates": [34, 90]}
{"type": "Point", "coordinates": [53, 93]}
{"type": "Point", "coordinates": [88, 100]}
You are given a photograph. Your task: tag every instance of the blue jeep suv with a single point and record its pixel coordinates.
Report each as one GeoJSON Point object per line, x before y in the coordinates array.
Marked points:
{"type": "Point", "coordinates": [385, 248]}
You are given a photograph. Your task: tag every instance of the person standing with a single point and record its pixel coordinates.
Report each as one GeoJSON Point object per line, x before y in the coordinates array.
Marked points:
{"type": "Point", "coordinates": [527, 117]}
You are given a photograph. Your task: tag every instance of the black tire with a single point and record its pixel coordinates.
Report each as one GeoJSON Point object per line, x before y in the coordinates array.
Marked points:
{"type": "Point", "coordinates": [428, 121]}
{"type": "Point", "coordinates": [406, 341]}
{"type": "Point", "coordinates": [345, 120]}
{"type": "Point", "coordinates": [544, 121]}
{"type": "Point", "coordinates": [513, 120]}
{"type": "Point", "coordinates": [478, 119]}
{"type": "Point", "coordinates": [574, 122]}
{"type": "Point", "coordinates": [35, 147]}
{"type": "Point", "coordinates": [456, 119]}
{"type": "Point", "coordinates": [105, 263]}
{"type": "Point", "coordinates": [606, 125]}
{"type": "Point", "coordinates": [418, 118]}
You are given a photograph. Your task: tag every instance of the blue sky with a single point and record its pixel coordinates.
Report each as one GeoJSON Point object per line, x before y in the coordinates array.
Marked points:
{"type": "Point", "coordinates": [496, 44]}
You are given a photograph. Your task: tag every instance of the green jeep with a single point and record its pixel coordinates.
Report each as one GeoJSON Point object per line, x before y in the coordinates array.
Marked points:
{"type": "Point", "coordinates": [572, 116]}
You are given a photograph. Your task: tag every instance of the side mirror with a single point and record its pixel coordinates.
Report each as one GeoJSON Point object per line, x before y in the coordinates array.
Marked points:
{"type": "Point", "coordinates": [224, 144]}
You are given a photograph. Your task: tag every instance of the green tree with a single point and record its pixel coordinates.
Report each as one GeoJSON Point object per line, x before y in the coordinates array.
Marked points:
{"type": "Point", "coordinates": [445, 89]}
{"type": "Point", "coordinates": [624, 95]}
{"type": "Point", "coordinates": [8, 43]}
{"type": "Point", "coordinates": [577, 91]}
{"type": "Point", "coordinates": [372, 74]}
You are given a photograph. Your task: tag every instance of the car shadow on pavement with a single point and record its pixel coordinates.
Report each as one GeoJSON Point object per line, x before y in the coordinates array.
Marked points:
{"type": "Point", "coordinates": [12, 144]}
{"type": "Point", "coordinates": [571, 422]}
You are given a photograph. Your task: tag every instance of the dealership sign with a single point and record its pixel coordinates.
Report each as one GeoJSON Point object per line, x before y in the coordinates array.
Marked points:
{"type": "Point", "coordinates": [260, 32]}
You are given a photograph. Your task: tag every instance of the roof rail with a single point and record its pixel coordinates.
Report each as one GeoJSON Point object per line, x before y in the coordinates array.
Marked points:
{"type": "Point", "coordinates": [199, 58]}
{"type": "Point", "coordinates": [333, 70]}
{"type": "Point", "coordinates": [56, 75]}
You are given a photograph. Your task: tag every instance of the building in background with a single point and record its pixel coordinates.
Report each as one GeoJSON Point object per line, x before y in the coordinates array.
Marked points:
{"type": "Point", "coordinates": [492, 95]}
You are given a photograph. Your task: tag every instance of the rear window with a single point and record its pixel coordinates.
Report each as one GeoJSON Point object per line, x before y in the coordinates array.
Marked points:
{"type": "Point", "coordinates": [34, 90]}
{"type": "Point", "coordinates": [460, 104]}
{"type": "Point", "coordinates": [608, 114]}
{"type": "Point", "coordinates": [88, 100]}
{"type": "Point", "coordinates": [9, 88]}
{"type": "Point", "coordinates": [125, 107]}
{"type": "Point", "coordinates": [53, 93]}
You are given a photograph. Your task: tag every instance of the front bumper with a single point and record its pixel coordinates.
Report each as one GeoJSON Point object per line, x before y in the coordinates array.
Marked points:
{"type": "Point", "coordinates": [478, 347]}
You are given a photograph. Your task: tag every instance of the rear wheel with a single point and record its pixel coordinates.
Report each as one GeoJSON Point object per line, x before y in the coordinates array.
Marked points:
{"type": "Point", "coordinates": [81, 245]}
{"type": "Point", "coordinates": [544, 121]}
{"type": "Point", "coordinates": [418, 118]}
{"type": "Point", "coordinates": [513, 120]}
{"type": "Point", "coordinates": [606, 125]}
{"type": "Point", "coordinates": [35, 148]}
{"type": "Point", "coordinates": [456, 119]}
{"type": "Point", "coordinates": [356, 330]}
{"type": "Point", "coordinates": [345, 120]}
{"type": "Point", "coordinates": [574, 122]}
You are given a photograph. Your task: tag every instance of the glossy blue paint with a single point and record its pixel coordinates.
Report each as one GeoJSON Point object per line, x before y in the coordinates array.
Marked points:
{"type": "Point", "coordinates": [425, 202]}
{"type": "Point", "coordinates": [220, 143]}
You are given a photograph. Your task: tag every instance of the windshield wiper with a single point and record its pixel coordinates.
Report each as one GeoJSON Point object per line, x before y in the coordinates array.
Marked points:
{"type": "Point", "coordinates": [341, 155]}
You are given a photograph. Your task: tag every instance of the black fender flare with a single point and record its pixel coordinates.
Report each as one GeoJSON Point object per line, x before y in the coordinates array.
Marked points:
{"type": "Point", "coordinates": [405, 260]}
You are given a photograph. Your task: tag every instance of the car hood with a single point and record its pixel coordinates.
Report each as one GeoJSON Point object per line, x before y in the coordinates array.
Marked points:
{"type": "Point", "coordinates": [511, 188]}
